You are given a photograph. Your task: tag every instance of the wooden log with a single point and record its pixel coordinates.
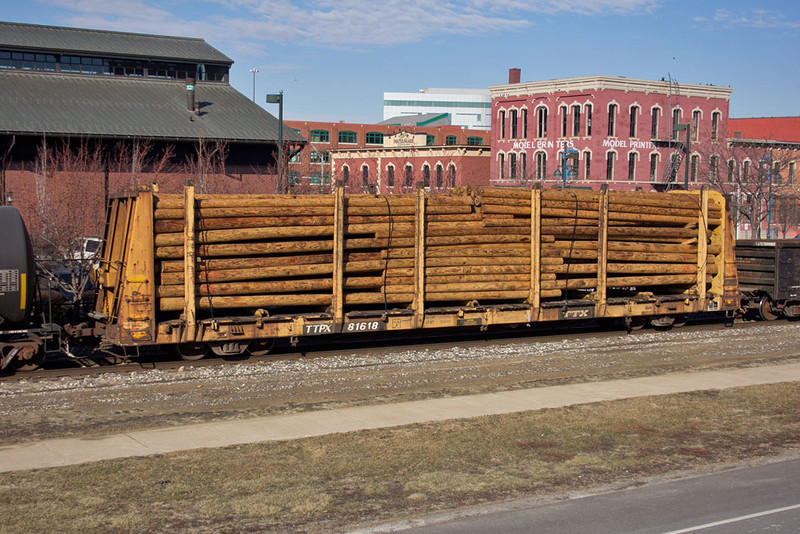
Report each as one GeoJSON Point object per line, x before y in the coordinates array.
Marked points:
{"type": "Point", "coordinates": [622, 255]}
{"type": "Point", "coordinates": [247, 249]}
{"type": "Point", "coordinates": [630, 268]}
{"type": "Point", "coordinates": [624, 281]}
{"type": "Point", "coordinates": [168, 266]}
{"type": "Point", "coordinates": [259, 273]}
{"type": "Point", "coordinates": [250, 288]}
{"type": "Point", "coordinates": [164, 226]}
{"type": "Point", "coordinates": [246, 234]}
{"type": "Point", "coordinates": [248, 301]}
{"type": "Point", "coordinates": [171, 201]}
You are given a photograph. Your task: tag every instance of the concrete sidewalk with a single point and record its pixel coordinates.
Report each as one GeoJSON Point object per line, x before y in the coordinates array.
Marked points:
{"type": "Point", "coordinates": [60, 452]}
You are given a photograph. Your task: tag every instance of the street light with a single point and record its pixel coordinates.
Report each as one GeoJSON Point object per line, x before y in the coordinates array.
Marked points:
{"type": "Point", "coordinates": [278, 99]}
{"type": "Point", "coordinates": [254, 71]}
{"type": "Point", "coordinates": [688, 128]}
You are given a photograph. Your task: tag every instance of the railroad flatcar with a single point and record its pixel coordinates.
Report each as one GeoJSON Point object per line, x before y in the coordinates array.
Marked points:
{"type": "Point", "coordinates": [769, 277]}
{"type": "Point", "coordinates": [232, 273]}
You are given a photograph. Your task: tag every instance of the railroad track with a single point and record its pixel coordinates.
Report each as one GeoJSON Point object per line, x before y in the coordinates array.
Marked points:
{"type": "Point", "coordinates": [90, 361]}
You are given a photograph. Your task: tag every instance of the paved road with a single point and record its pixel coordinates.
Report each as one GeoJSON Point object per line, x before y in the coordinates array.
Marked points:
{"type": "Point", "coordinates": [765, 498]}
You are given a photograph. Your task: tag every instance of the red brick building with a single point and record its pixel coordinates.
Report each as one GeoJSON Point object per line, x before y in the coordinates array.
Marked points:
{"type": "Point", "coordinates": [369, 157]}
{"type": "Point", "coordinates": [620, 131]}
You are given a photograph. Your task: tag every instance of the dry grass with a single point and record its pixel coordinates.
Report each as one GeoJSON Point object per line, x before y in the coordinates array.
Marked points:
{"type": "Point", "coordinates": [328, 483]}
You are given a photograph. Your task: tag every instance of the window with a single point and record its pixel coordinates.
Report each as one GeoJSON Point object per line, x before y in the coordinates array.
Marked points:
{"type": "Point", "coordinates": [654, 123]}
{"type": "Point", "coordinates": [346, 175]}
{"type": "Point", "coordinates": [791, 172]}
{"type": "Point", "coordinates": [364, 176]}
{"type": "Point", "coordinates": [430, 140]}
{"type": "Point", "coordinates": [426, 175]}
{"type": "Point", "coordinates": [731, 169]}
{"type": "Point", "coordinates": [715, 118]}
{"type": "Point", "coordinates": [612, 118]}
{"type": "Point", "coordinates": [451, 174]}
{"type": "Point", "coordinates": [374, 138]}
{"type": "Point", "coordinates": [320, 136]}
{"type": "Point", "coordinates": [746, 171]}
{"type": "Point", "coordinates": [541, 122]}
{"type": "Point", "coordinates": [576, 121]}
{"type": "Point", "coordinates": [653, 167]}
{"type": "Point", "coordinates": [296, 158]}
{"type": "Point", "coordinates": [634, 121]}
{"type": "Point", "coordinates": [676, 117]}
{"type": "Point", "coordinates": [502, 174]}
{"type": "Point", "coordinates": [713, 169]}
{"type": "Point", "coordinates": [293, 178]}
{"type": "Point", "coordinates": [693, 170]}
{"type": "Point", "coordinates": [439, 176]}
{"type": "Point", "coordinates": [674, 163]}
{"type": "Point", "coordinates": [695, 124]}
{"type": "Point", "coordinates": [502, 124]}
{"type": "Point", "coordinates": [27, 61]}
{"type": "Point", "coordinates": [512, 163]}
{"type": "Point", "coordinates": [451, 140]}
{"type": "Point", "coordinates": [409, 176]}
{"type": "Point", "coordinates": [315, 178]}
{"type": "Point", "coordinates": [776, 172]}
{"type": "Point", "coordinates": [587, 165]}
{"type": "Point", "coordinates": [610, 165]}
{"type": "Point", "coordinates": [348, 137]}
{"type": "Point", "coordinates": [523, 163]}
{"type": "Point", "coordinates": [541, 166]}
{"type": "Point", "coordinates": [588, 120]}
{"type": "Point", "coordinates": [320, 157]}
{"type": "Point", "coordinates": [475, 141]}
{"type": "Point", "coordinates": [564, 121]}
{"type": "Point", "coordinates": [524, 123]}
{"type": "Point", "coordinates": [632, 166]}
{"type": "Point", "coordinates": [513, 124]}
{"type": "Point", "coordinates": [390, 175]}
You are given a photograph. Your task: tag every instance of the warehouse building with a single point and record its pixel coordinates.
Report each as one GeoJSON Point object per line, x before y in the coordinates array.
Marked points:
{"type": "Point", "coordinates": [126, 109]}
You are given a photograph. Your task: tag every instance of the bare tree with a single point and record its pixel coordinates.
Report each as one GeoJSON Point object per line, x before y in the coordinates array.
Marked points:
{"type": "Point", "coordinates": [748, 174]}
{"type": "Point", "coordinates": [207, 165]}
{"type": "Point", "coordinates": [66, 213]}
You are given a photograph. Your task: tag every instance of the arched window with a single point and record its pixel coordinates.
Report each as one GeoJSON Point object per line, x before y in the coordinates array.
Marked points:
{"type": "Point", "coordinates": [451, 175]}
{"type": "Point", "coordinates": [346, 174]}
{"type": "Point", "coordinates": [364, 176]}
{"type": "Point", "coordinates": [390, 175]}
{"type": "Point", "coordinates": [439, 177]}
{"type": "Point", "coordinates": [426, 175]}
{"type": "Point", "coordinates": [541, 166]}
{"type": "Point", "coordinates": [409, 176]}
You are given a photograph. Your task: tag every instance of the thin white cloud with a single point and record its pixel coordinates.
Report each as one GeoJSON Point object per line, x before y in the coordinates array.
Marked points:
{"type": "Point", "coordinates": [755, 18]}
{"type": "Point", "coordinates": [330, 23]}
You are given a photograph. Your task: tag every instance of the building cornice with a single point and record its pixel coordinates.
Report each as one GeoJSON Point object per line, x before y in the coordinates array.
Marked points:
{"type": "Point", "coordinates": [609, 83]}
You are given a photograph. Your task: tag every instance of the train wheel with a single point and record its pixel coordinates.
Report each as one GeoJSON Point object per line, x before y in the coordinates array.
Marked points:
{"type": "Point", "coordinates": [191, 351]}
{"type": "Point", "coordinates": [233, 348]}
{"type": "Point", "coordinates": [29, 358]}
{"type": "Point", "coordinates": [766, 309]}
{"type": "Point", "coordinates": [260, 347]}
{"type": "Point", "coordinates": [662, 322]}
{"type": "Point", "coordinates": [681, 320]}
{"type": "Point", "coordinates": [635, 323]}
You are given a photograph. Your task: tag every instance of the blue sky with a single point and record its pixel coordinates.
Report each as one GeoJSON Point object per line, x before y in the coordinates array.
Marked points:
{"type": "Point", "coordinates": [334, 58]}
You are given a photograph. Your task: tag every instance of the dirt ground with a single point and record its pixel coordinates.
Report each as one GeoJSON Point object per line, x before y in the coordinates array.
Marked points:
{"type": "Point", "coordinates": [139, 398]}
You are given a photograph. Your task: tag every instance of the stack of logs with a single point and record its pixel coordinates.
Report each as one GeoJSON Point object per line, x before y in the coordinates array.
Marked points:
{"type": "Point", "coordinates": [268, 251]}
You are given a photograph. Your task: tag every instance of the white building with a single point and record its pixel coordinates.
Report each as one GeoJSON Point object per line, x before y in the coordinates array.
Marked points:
{"type": "Point", "coordinates": [468, 108]}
